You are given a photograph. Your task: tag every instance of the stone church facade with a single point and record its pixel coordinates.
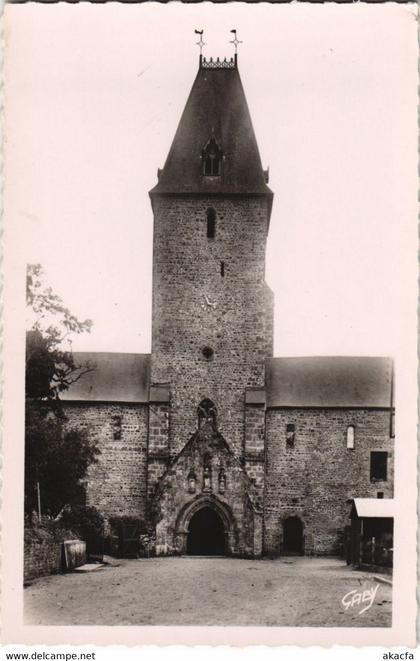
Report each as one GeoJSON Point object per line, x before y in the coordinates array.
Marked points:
{"type": "Point", "coordinates": [211, 441]}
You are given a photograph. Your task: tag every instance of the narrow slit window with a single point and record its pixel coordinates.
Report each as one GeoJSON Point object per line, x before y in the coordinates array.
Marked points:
{"type": "Point", "coordinates": [222, 269]}
{"type": "Point", "coordinates": [392, 424]}
{"type": "Point", "coordinates": [350, 437]}
{"type": "Point", "coordinates": [378, 466]}
{"type": "Point", "coordinates": [290, 435]}
{"type": "Point", "coordinates": [116, 427]}
{"type": "Point", "coordinates": [211, 223]}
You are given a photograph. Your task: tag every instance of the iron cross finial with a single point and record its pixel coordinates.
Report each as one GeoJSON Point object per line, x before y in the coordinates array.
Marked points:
{"type": "Point", "coordinates": [201, 42]}
{"type": "Point", "coordinates": [235, 41]}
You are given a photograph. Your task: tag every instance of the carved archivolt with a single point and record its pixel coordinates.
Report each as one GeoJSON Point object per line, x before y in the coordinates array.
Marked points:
{"type": "Point", "coordinates": [188, 511]}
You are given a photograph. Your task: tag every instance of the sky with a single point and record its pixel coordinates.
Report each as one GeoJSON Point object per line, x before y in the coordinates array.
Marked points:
{"type": "Point", "coordinates": [94, 94]}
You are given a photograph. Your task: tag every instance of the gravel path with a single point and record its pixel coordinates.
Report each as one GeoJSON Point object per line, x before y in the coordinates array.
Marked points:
{"type": "Point", "coordinates": [209, 591]}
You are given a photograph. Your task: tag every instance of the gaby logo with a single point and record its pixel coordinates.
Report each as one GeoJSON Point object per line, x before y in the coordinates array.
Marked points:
{"type": "Point", "coordinates": [358, 597]}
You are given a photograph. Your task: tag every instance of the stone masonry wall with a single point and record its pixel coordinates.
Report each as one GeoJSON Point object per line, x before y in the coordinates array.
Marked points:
{"type": "Point", "coordinates": [254, 447]}
{"type": "Point", "coordinates": [314, 479]}
{"type": "Point", "coordinates": [158, 452]}
{"type": "Point", "coordinates": [117, 483]}
{"type": "Point", "coordinates": [269, 320]}
{"type": "Point", "coordinates": [199, 302]}
{"type": "Point", "coordinates": [254, 429]}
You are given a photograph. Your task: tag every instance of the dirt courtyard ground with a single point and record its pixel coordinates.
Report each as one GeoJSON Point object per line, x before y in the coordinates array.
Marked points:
{"type": "Point", "coordinates": [289, 591]}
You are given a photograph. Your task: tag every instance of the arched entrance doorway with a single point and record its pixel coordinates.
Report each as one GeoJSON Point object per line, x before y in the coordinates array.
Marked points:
{"type": "Point", "coordinates": [206, 533]}
{"type": "Point", "coordinates": [293, 535]}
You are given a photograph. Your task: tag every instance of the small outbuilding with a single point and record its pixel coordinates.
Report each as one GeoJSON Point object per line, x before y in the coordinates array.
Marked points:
{"type": "Point", "coordinates": [371, 533]}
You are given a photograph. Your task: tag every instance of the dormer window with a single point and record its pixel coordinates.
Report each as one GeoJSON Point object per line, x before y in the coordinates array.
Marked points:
{"type": "Point", "coordinates": [212, 159]}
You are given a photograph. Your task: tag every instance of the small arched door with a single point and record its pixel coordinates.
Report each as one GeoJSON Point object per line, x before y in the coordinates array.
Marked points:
{"type": "Point", "coordinates": [293, 535]}
{"type": "Point", "coordinates": [206, 533]}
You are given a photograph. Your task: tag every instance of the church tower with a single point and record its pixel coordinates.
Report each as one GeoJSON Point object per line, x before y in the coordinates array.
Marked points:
{"type": "Point", "coordinates": [212, 444]}
{"type": "Point", "coordinates": [209, 443]}
{"type": "Point", "coordinates": [211, 319]}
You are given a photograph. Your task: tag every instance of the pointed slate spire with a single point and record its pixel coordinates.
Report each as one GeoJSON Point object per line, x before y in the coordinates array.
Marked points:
{"type": "Point", "coordinates": [216, 113]}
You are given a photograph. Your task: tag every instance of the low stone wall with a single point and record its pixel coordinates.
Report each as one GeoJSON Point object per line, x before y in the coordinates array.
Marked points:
{"type": "Point", "coordinates": [43, 551]}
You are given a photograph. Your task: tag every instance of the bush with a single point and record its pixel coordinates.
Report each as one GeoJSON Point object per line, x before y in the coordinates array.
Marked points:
{"type": "Point", "coordinates": [48, 531]}
{"type": "Point", "coordinates": [86, 521]}
{"type": "Point", "coordinates": [57, 458]}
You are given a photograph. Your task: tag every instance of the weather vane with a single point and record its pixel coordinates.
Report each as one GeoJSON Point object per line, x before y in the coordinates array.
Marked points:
{"type": "Point", "coordinates": [201, 42]}
{"type": "Point", "coordinates": [235, 41]}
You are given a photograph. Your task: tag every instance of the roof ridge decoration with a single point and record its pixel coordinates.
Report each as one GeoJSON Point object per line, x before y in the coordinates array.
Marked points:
{"type": "Point", "coordinates": [218, 63]}
{"type": "Point", "coordinates": [200, 43]}
{"type": "Point", "coordinates": [235, 41]}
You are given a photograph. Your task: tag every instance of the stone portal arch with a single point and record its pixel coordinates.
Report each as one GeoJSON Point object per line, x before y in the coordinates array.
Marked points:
{"type": "Point", "coordinates": [201, 503]}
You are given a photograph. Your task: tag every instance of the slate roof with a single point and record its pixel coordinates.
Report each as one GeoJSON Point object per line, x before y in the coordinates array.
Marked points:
{"type": "Point", "coordinates": [117, 377]}
{"type": "Point", "coordinates": [373, 507]}
{"type": "Point", "coordinates": [215, 107]}
{"type": "Point", "coordinates": [329, 381]}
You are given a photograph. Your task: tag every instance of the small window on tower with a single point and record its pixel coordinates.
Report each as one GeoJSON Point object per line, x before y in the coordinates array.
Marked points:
{"type": "Point", "coordinates": [211, 223]}
{"type": "Point", "coordinates": [207, 352]}
{"type": "Point", "coordinates": [116, 427]}
{"type": "Point", "coordinates": [290, 435]}
{"type": "Point", "coordinates": [392, 424]}
{"type": "Point", "coordinates": [212, 159]}
{"type": "Point", "coordinates": [350, 437]}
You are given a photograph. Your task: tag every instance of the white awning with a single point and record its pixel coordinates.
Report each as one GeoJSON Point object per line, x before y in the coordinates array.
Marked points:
{"type": "Point", "coordinates": [381, 508]}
